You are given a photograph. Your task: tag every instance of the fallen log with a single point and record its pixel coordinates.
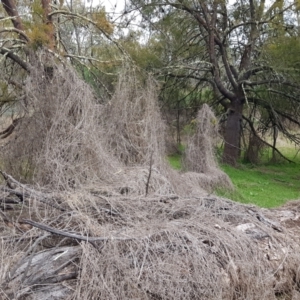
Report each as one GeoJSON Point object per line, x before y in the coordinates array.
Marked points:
{"type": "Point", "coordinates": [34, 277]}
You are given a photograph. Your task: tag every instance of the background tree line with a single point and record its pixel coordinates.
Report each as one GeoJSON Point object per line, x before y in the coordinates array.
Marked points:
{"type": "Point", "coordinates": [241, 58]}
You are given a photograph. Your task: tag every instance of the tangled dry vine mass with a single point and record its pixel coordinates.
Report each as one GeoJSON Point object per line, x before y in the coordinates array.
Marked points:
{"type": "Point", "coordinates": [91, 210]}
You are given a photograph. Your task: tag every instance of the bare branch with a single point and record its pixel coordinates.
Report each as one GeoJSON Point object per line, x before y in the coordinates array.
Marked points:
{"type": "Point", "coordinates": [9, 130]}
{"type": "Point", "coordinates": [149, 174]}
{"type": "Point", "coordinates": [15, 58]}
{"type": "Point", "coordinates": [19, 32]}
{"type": "Point", "coordinates": [89, 58]}
{"type": "Point", "coordinates": [265, 142]}
{"type": "Point", "coordinates": [73, 235]}
{"type": "Point", "coordinates": [75, 15]}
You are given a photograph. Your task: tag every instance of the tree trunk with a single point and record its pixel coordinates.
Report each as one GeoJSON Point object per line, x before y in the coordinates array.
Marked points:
{"type": "Point", "coordinates": [232, 134]}
{"type": "Point", "coordinates": [11, 9]}
{"type": "Point", "coordinates": [46, 4]}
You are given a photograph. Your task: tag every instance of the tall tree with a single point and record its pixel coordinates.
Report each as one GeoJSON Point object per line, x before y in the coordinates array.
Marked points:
{"type": "Point", "coordinates": [69, 31]}
{"type": "Point", "coordinates": [232, 37]}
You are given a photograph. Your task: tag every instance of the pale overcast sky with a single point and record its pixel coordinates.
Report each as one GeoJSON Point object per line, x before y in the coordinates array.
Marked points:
{"type": "Point", "coordinates": [112, 5]}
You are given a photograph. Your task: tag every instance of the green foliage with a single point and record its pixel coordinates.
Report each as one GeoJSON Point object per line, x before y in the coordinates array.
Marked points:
{"type": "Point", "coordinates": [39, 35]}
{"type": "Point", "coordinates": [175, 161]}
{"type": "Point", "coordinates": [97, 79]}
{"type": "Point", "coordinates": [190, 128]}
{"type": "Point", "coordinates": [284, 52]}
{"type": "Point", "coordinates": [99, 17]}
{"type": "Point", "coordinates": [37, 10]}
{"type": "Point", "coordinates": [146, 56]}
{"type": "Point", "coordinates": [175, 158]}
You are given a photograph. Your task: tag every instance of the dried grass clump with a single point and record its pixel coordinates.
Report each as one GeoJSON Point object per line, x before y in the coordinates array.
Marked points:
{"type": "Point", "coordinates": [153, 248]}
{"type": "Point", "coordinates": [58, 141]}
{"type": "Point", "coordinates": [182, 249]}
{"type": "Point", "coordinates": [199, 155]}
{"type": "Point", "coordinates": [65, 139]}
{"type": "Point", "coordinates": [135, 131]}
{"type": "Point", "coordinates": [145, 181]}
{"type": "Point", "coordinates": [9, 254]}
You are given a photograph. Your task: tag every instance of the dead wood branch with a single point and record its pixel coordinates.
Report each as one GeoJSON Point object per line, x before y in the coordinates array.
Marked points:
{"type": "Point", "coordinates": [21, 33]}
{"type": "Point", "coordinates": [19, 238]}
{"type": "Point", "coordinates": [149, 175]}
{"type": "Point", "coordinates": [9, 201]}
{"type": "Point", "coordinates": [28, 192]}
{"type": "Point", "coordinates": [10, 129]}
{"type": "Point", "coordinates": [56, 265]}
{"type": "Point", "coordinates": [14, 192]}
{"type": "Point", "coordinates": [72, 235]}
{"type": "Point", "coordinates": [9, 53]}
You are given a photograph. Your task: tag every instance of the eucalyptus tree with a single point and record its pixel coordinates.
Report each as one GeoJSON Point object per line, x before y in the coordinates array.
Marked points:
{"type": "Point", "coordinates": [31, 31]}
{"type": "Point", "coordinates": [225, 46]}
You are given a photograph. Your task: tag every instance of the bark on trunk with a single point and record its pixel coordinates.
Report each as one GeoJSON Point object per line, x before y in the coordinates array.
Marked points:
{"type": "Point", "coordinates": [11, 9]}
{"type": "Point", "coordinates": [233, 133]}
{"type": "Point", "coordinates": [46, 4]}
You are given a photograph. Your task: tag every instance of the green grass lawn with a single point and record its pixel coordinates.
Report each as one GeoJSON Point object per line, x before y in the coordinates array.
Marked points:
{"type": "Point", "coordinates": [266, 185]}
{"type": "Point", "coordinates": [175, 161]}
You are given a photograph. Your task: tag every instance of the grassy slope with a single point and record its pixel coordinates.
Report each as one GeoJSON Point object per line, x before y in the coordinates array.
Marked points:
{"type": "Point", "coordinates": [267, 185]}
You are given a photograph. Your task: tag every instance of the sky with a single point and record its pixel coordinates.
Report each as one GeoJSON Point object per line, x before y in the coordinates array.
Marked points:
{"type": "Point", "coordinates": [113, 4]}
{"type": "Point", "coordinates": [110, 5]}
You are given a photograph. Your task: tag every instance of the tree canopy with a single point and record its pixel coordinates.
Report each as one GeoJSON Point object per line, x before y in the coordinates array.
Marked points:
{"type": "Point", "coordinates": [240, 57]}
{"type": "Point", "coordinates": [235, 50]}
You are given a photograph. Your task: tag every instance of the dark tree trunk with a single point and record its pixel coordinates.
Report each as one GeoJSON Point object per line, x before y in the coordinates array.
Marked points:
{"type": "Point", "coordinates": [11, 9]}
{"type": "Point", "coordinates": [232, 134]}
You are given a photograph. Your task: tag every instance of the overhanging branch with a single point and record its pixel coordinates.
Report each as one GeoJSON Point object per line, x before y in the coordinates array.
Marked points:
{"type": "Point", "coordinates": [15, 58]}
{"type": "Point", "coordinates": [21, 33]}
{"type": "Point", "coordinates": [262, 140]}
